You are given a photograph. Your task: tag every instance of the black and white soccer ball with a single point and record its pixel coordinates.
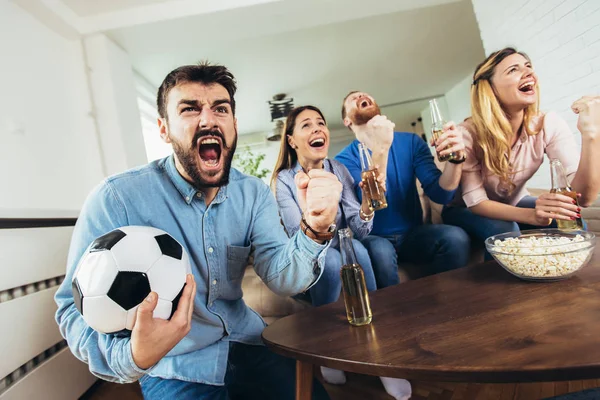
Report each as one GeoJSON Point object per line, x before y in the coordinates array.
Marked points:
{"type": "Point", "coordinates": [119, 269]}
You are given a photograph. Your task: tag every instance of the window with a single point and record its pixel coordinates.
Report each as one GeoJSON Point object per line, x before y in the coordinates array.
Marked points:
{"type": "Point", "coordinates": [146, 98]}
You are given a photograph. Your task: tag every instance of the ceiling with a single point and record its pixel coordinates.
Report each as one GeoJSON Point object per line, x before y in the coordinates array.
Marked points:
{"type": "Point", "coordinates": [87, 8]}
{"type": "Point", "coordinates": [313, 50]}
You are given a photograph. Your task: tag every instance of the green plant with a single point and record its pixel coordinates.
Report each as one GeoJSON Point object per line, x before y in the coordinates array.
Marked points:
{"type": "Point", "coordinates": [249, 162]}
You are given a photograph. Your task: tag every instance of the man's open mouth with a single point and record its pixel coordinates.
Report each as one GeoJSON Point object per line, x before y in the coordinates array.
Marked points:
{"type": "Point", "coordinates": [364, 102]}
{"type": "Point", "coordinates": [209, 149]}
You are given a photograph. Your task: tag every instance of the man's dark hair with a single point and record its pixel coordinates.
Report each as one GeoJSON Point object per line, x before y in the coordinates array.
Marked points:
{"type": "Point", "coordinates": [204, 73]}
{"type": "Point", "coordinates": [344, 103]}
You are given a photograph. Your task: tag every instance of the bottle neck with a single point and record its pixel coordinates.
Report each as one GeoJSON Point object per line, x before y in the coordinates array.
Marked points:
{"type": "Point", "coordinates": [557, 173]}
{"type": "Point", "coordinates": [346, 248]}
{"type": "Point", "coordinates": [437, 122]}
{"type": "Point", "coordinates": [365, 158]}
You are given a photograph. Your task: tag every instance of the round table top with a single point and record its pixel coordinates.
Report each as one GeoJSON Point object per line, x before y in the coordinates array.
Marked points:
{"type": "Point", "coordinates": [475, 324]}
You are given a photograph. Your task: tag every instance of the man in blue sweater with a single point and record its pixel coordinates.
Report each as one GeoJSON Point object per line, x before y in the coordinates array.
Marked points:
{"type": "Point", "coordinates": [403, 157]}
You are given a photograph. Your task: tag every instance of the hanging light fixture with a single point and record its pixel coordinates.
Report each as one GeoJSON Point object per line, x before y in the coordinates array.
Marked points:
{"type": "Point", "coordinates": [277, 131]}
{"type": "Point", "coordinates": [280, 107]}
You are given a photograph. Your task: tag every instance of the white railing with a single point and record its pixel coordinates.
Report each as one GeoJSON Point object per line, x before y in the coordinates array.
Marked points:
{"type": "Point", "coordinates": [35, 362]}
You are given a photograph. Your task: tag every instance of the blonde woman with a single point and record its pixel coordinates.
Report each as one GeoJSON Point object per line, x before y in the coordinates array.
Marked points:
{"type": "Point", "coordinates": [506, 139]}
{"type": "Point", "coordinates": [304, 147]}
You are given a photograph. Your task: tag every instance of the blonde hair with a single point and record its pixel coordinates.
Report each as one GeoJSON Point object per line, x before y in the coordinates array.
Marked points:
{"type": "Point", "coordinates": [492, 129]}
{"type": "Point", "coordinates": [287, 155]}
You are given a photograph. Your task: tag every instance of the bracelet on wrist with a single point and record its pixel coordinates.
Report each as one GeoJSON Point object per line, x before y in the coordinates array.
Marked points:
{"type": "Point", "coordinates": [365, 217]}
{"type": "Point", "coordinates": [311, 233]}
{"type": "Point", "coordinates": [462, 160]}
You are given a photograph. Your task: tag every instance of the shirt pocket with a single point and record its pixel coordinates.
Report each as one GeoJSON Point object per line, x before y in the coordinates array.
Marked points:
{"type": "Point", "coordinates": [237, 261]}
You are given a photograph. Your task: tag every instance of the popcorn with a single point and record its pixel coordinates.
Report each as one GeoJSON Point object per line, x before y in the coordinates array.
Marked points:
{"type": "Point", "coordinates": [542, 257]}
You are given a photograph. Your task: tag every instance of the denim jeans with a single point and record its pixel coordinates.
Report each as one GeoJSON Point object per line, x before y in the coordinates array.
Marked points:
{"type": "Point", "coordinates": [480, 228]}
{"type": "Point", "coordinates": [328, 288]}
{"type": "Point", "coordinates": [437, 248]}
{"type": "Point", "coordinates": [253, 372]}
{"type": "Point", "coordinates": [589, 394]}
{"type": "Point", "coordinates": [384, 260]}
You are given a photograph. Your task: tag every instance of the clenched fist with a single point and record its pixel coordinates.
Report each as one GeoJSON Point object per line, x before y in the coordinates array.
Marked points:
{"type": "Point", "coordinates": [319, 197]}
{"type": "Point", "coordinates": [379, 134]}
{"type": "Point", "coordinates": [588, 108]}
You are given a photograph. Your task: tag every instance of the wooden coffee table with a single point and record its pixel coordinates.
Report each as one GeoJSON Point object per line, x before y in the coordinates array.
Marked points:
{"type": "Point", "coordinates": [476, 324]}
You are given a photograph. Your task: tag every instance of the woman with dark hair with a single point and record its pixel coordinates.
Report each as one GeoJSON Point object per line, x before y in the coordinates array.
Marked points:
{"type": "Point", "coordinates": [506, 139]}
{"type": "Point", "coordinates": [304, 147]}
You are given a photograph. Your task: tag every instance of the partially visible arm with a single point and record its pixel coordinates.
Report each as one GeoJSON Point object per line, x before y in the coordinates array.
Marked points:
{"type": "Point", "coordinates": [289, 210]}
{"type": "Point", "coordinates": [562, 146]}
{"type": "Point", "coordinates": [496, 210]}
{"type": "Point", "coordinates": [587, 178]}
{"type": "Point", "coordinates": [109, 357]}
{"type": "Point", "coordinates": [450, 178]}
{"type": "Point", "coordinates": [451, 141]}
{"type": "Point", "coordinates": [287, 266]}
{"type": "Point", "coordinates": [428, 173]}
{"type": "Point", "coordinates": [475, 197]}
{"type": "Point", "coordinates": [380, 158]}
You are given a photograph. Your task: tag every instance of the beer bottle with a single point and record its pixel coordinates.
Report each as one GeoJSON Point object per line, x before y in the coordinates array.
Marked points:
{"type": "Point", "coordinates": [437, 129]}
{"type": "Point", "coordinates": [371, 188]}
{"type": "Point", "coordinates": [356, 297]}
{"type": "Point", "coordinates": [560, 185]}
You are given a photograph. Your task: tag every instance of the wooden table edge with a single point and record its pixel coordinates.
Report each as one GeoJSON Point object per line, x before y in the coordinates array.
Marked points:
{"type": "Point", "coordinates": [490, 375]}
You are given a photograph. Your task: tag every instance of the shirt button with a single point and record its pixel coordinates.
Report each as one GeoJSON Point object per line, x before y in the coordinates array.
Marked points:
{"type": "Point", "coordinates": [187, 198]}
{"type": "Point", "coordinates": [210, 250]}
{"type": "Point", "coordinates": [214, 282]}
{"type": "Point", "coordinates": [199, 195]}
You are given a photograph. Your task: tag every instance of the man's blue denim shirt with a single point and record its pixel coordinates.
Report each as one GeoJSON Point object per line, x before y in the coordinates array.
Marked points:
{"type": "Point", "coordinates": [219, 238]}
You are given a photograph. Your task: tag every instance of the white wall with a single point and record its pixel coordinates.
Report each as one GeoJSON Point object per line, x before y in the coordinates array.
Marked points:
{"type": "Point", "coordinates": [339, 139]}
{"type": "Point", "coordinates": [458, 100]}
{"type": "Point", "coordinates": [115, 104]}
{"type": "Point", "coordinates": [48, 153]}
{"type": "Point", "coordinates": [146, 101]}
{"type": "Point", "coordinates": [49, 161]}
{"type": "Point", "coordinates": [562, 37]}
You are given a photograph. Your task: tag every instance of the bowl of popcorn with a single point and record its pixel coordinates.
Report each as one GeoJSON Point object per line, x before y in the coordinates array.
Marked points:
{"type": "Point", "coordinates": [542, 254]}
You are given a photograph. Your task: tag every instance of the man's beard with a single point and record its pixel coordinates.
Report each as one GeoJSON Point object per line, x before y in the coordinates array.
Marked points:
{"type": "Point", "coordinates": [188, 159]}
{"type": "Point", "coordinates": [360, 116]}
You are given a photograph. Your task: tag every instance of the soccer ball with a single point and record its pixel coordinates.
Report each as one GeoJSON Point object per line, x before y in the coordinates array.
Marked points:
{"type": "Point", "coordinates": [119, 269]}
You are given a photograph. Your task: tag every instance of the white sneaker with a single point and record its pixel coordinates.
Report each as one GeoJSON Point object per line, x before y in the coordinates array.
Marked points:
{"type": "Point", "coordinates": [399, 389]}
{"type": "Point", "coordinates": [333, 376]}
